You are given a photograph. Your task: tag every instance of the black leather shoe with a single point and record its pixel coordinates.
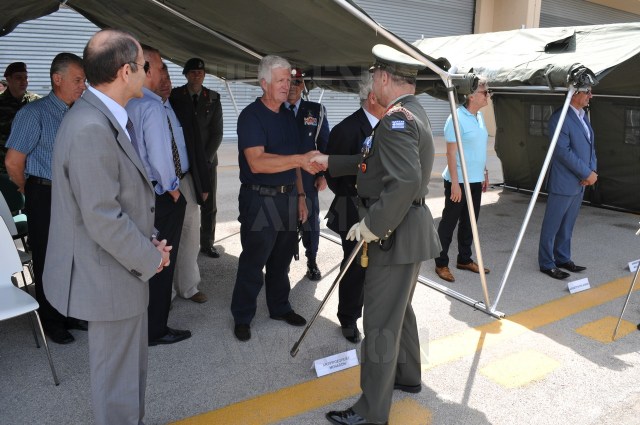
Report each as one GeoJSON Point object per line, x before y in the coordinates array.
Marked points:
{"type": "Point", "coordinates": [555, 273]}
{"type": "Point", "coordinates": [210, 251]}
{"type": "Point", "coordinates": [171, 337]}
{"type": "Point", "coordinates": [72, 323]}
{"type": "Point", "coordinates": [351, 332]}
{"type": "Point", "coordinates": [313, 272]}
{"type": "Point", "coordinates": [349, 417]}
{"type": "Point", "coordinates": [242, 332]}
{"type": "Point", "coordinates": [413, 389]}
{"type": "Point", "coordinates": [292, 318]}
{"type": "Point", "coordinates": [571, 267]}
{"type": "Point", "coordinates": [59, 335]}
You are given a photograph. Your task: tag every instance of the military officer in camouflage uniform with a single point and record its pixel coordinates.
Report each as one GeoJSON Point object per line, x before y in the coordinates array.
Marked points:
{"type": "Point", "coordinates": [393, 174]}
{"type": "Point", "coordinates": [11, 100]}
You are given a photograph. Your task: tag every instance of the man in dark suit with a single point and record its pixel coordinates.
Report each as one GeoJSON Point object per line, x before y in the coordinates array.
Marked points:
{"type": "Point", "coordinates": [572, 168]}
{"type": "Point", "coordinates": [311, 119]}
{"type": "Point", "coordinates": [346, 139]}
{"type": "Point", "coordinates": [205, 105]}
{"type": "Point", "coordinates": [393, 173]}
{"type": "Point", "coordinates": [101, 250]}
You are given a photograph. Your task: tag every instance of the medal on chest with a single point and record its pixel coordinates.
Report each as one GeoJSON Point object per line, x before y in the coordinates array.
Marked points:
{"type": "Point", "coordinates": [367, 145]}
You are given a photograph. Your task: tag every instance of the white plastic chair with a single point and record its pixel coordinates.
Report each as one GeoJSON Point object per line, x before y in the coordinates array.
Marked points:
{"type": "Point", "coordinates": [13, 301]}
{"type": "Point", "coordinates": [25, 257]}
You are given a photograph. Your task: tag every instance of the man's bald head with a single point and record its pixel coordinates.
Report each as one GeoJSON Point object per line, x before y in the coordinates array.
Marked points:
{"type": "Point", "coordinates": [106, 52]}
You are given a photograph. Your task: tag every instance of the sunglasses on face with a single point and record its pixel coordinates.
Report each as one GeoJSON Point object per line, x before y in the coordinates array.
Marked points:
{"type": "Point", "coordinates": [144, 66]}
{"type": "Point", "coordinates": [484, 92]}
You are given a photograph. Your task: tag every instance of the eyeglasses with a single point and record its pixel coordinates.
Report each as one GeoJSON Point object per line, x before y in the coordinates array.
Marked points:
{"type": "Point", "coordinates": [296, 82]}
{"type": "Point", "coordinates": [485, 92]}
{"type": "Point", "coordinates": [144, 66]}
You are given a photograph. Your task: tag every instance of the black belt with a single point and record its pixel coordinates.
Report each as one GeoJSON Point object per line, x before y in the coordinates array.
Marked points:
{"type": "Point", "coordinates": [279, 189]}
{"type": "Point", "coordinates": [39, 180]}
{"type": "Point", "coordinates": [367, 202]}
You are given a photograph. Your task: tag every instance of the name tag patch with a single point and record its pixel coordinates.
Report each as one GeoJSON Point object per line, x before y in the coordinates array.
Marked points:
{"type": "Point", "coordinates": [397, 125]}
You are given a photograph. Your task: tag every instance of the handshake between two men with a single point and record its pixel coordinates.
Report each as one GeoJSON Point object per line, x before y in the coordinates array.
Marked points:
{"type": "Point", "coordinates": [320, 162]}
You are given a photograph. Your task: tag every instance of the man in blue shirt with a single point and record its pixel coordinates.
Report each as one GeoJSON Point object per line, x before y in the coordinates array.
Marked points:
{"type": "Point", "coordinates": [269, 169]}
{"type": "Point", "coordinates": [162, 149]}
{"type": "Point", "coordinates": [28, 162]}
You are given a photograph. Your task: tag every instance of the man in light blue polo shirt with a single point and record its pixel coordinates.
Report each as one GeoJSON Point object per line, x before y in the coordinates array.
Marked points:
{"type": "Point", "coordinates": [28, 163]}
{"type": "Point", "coordinates": [474, 136]}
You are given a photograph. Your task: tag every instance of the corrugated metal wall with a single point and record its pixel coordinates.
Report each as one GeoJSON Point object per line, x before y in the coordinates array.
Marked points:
{"type": "Point", "coordinates": [562, 13]}
{"type": "Point", "coordinates": [37, 42]}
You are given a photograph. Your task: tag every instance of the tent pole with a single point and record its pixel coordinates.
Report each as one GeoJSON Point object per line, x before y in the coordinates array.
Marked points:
{"type": "Point", "coordinates": [536, 192]}
{"type": "Point", "coordinates": [206, 29]}
{"type": "Point", "coordinates": [321, 96]}
{"type": "Point", "coordinates": [467, 189]}
{"type": "Point", "coordinates": [479, 305]}
{"type": "Point", "coordinates": [233, 98]}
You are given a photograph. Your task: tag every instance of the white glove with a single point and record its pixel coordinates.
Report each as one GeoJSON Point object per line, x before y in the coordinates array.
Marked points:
{"type": "Point", "coordinates": [361, 231]}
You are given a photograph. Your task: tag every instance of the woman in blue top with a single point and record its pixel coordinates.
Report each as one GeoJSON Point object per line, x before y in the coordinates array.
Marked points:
{"type": "Point", "coordinates": [474, 142]}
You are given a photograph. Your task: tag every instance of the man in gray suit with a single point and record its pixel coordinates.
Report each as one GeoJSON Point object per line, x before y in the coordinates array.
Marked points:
{"type": "Point", "coordinates": [392, 180]}
{"type": "Point", "coordinates": [102, 249]}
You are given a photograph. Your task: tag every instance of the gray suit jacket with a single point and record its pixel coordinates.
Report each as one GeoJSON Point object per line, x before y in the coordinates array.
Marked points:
{"type": "Point", "coordinates": [99, 256]}
{"type": "Point", "coordinates": [398, 168]}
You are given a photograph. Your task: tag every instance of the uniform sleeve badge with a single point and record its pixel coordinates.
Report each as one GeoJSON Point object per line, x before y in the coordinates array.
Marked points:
{"type": "Point", "coordinates": [397, 125]}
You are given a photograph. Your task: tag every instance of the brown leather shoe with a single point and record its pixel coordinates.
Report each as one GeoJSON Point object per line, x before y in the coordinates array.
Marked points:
{"type": "Point", "coordinates": [445, 274]}
{"type": "Point", "coordinates": [199, 297]}
{"type": "Point", "coordinates": [472, 267]}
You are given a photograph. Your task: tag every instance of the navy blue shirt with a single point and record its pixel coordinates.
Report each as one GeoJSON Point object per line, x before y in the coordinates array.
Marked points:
{"type": "Point", "coordinates": [277, 132]}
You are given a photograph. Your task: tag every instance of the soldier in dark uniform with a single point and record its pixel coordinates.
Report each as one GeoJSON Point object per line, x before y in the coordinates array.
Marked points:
{"type": "Point", "coordinates": [393, 174]}
{"type": "Point", "coordinates": [208, 111]}
{"type": "Point", "coordinates": [346, 139]}
{"type": "Point", "coordinates": [269, 208]}
{"type": "Point", "coordinates": [311, 118]}
{"type": "Point", "coordinates": [14, 97]}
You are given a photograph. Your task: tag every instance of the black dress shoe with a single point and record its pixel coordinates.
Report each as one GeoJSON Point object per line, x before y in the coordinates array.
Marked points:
{"type": "Point", "coordinates": [571, 267]}
{"type": "Point", "coordinates": [555, 273]}
{"type": "Point", "coordinates": [171, 337]}
{"type": "Point", "coordinates": [242, 332]}
{"type": "Point", "coordinates": [210, 251]}
{"type": "Point", "coordinates": [351, 332]}
{"type": "Point", "coordinates": [313, 272]}
{"type": "Point", "coordinates": [59, 335]}
{"type": "Point", "coordinates": [72, 323]}
{"type": "Point", "coordinates": [413, 389]}
{"type": "Point", "coordinates": [349, 417]}
{"type": "Point", "coordinates": [292, 318]}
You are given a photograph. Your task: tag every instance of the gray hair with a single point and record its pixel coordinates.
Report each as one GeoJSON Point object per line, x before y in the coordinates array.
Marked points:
{"type": "Point", "coordinates": [482, 82]}
{"type": "Point", "coordinates": [365, 86]}
{"type": "Point", "coordinates": [268, 64]}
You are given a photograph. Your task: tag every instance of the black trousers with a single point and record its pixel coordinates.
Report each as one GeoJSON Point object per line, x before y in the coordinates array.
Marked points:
{"type": "Point", "coordinates": [457, 213]}
{"type": "Point", "coordinates": [269, 238]}
{"type": "Point", "coordinates": [168, 221]}
{"type": "Point", "coordinates": [208, 213]}
{"type": "Point", "coordinates": [38, 209]}
{"type": "Point", "coordinates": [351, 291]}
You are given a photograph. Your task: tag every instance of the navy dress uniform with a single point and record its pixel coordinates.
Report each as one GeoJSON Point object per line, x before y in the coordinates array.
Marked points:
{"type": "Point", "coordinates": [311, 119]}
{"type": "Point", "coordinates": [393, 174]}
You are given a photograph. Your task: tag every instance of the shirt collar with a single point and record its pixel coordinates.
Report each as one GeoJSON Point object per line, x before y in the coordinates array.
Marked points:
{"type": "Point", "coordinates": [148, 93]}
{"type": "Point", "coordinates": [57, 101]}
{"type": "Point", "coordinates": [119, 113]}
{"type": "Point", "coordinates": [372, 119]}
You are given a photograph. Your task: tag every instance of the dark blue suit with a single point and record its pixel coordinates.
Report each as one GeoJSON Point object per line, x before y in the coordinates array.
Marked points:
{"type": "Point", "coordinates": [346, 139]}
{"type": "Point", "coordinates": [573, 160]}
{"type": "Point", "coordinates": [309, 116]}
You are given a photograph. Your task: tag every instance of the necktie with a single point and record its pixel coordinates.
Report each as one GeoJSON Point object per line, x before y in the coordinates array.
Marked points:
{"type": "Point", "coordinates": [174, 152]}
{"type": "Point", "coordinates": [195, 101]}
{"type": "Point", "coordinates": [292, 108]}
{"type": "Point", "coordinates": [132, 135]}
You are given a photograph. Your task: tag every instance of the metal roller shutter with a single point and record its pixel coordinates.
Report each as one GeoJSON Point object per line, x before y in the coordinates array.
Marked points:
{"type": "Point", "coordinates": [562, 13]}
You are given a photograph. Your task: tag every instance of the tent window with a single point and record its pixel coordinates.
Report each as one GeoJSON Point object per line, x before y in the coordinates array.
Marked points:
{"type": "Point", "coordinates": [539, 119]}
{"type": "Point", "coordinates": [632, 126]}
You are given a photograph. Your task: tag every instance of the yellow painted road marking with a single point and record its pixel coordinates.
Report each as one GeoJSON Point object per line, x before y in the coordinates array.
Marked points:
{"type": "Point", "coordinates": [519, 369]}
{"type": "Point", "coordinates": [409, 412]}
{"type": "Point", "coordinates": [602, 329]}
{"type": "Point", "coordinates": [297, 399]}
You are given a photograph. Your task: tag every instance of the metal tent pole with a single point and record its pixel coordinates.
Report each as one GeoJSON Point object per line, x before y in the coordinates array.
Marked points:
{"type": "Point", "coordinates": [571, 90]}
{"type": "Point", "coordinates": [233, 98]}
